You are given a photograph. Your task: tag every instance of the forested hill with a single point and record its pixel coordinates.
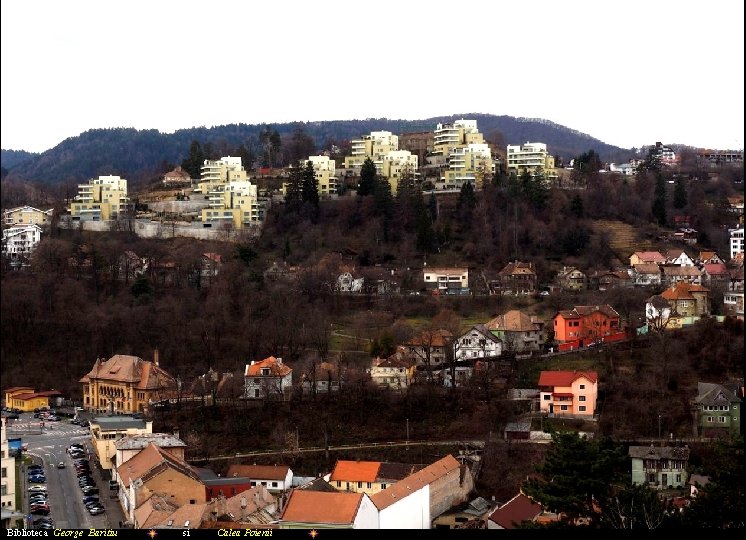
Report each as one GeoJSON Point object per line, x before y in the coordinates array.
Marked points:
{"type": "Point", "coordinates": [141, 154]}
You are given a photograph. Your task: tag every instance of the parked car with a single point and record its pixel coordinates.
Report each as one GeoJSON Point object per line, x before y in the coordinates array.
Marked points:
{"type": "Point", "coordinates": [43, 510]}
{"type": "Point", "coordinates": [37, 489]}
{"type": "Point", "coordinates": [37, 480]}
{"type": "Point", "coordinates": [90, 498]}
{"type": "Point", "coordinates": [90, 490]}
{"type": "Point", "coordinates": [96, 510]}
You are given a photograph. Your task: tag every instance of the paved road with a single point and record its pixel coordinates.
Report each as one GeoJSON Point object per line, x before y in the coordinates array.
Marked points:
{"type": "Point", "coordinates": [65, 497]}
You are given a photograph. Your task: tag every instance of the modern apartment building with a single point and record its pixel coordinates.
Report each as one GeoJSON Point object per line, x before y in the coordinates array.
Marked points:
{"type": "Point", "coordinates": [530, 157]}
{"type": "Point", "coordinates": [472, 163]}
{"type": "Point", "coordinates": [325, 175]}
{"type": "Point", "coordinates": [736, 242]}
{"type": "Point", "coordinates": [373, 146]}
{"type": "Point", "coordinates": [233, 204]}
{"type": "Point", "coordinates": [220, 172]}
{"type": "Point", "coordinates": [101, 199]}
{"type": "Point", "coordinates": [452, 135]}
{"type": "Point", "coordinates": [397, 164]}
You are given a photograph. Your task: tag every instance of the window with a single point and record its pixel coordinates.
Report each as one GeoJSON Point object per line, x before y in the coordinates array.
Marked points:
{"type": "Point", "coordinates": [581, 398]}
{"type": "Point", "coordinates": [563, 407]}
{"type": "Point", "coordinates": [370, 485]}
{"type": "Point", "coordinates": [547, 397]}
{"type": "Point", "coordinates": [192, 501]}
{"type": "Point", "coordinates": [359, 485]}
{"type": "Point", "coordinates": [383, 486]}
{"type": "Point", "coordinates": [710, 419]}
{"type": "Point", "coordinates": [339, 484]}
{"type": "Point", "coordinates": [5, 472]}
{"type": "Point", "coordinates": [581, 408]}
{"type": "Point", "coordinates": [678, 478]}
{"type": "Point", "coordinates": [274, 484]}
{"type": "Point", "coordinates": [722, 419]}
{"type": "Point", "coordinates": [582, 387]}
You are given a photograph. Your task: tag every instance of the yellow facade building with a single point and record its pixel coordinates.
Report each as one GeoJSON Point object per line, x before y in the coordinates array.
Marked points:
{"type": "Point", "coordinates": [531, 157]}
{"type": "Point", "coordinates": [26, 215]}
{"type": "Point", "coordinates": [101, 199]}
{"type": "Point", "coordinates": [27, 399]}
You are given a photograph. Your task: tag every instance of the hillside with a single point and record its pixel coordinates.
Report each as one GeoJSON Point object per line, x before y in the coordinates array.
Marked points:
{"type": "Point", "coordinates": [141, 154]}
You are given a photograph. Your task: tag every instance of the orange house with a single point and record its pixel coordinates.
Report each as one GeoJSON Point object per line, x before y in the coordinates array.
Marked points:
{"type": "Point", "coordinates": [568, 392]}
{"type": "Point", "coordinates": [585, 322]}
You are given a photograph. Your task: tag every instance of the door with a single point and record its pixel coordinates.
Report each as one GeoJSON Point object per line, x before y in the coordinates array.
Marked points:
{"type": "Point", "coordinates": [551, 408]}
{"type": "Point", "coordinates": [664, 480]}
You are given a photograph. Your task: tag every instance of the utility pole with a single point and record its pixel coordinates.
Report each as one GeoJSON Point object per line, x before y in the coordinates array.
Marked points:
{"type": "Point", "coordinates": [407, 433]}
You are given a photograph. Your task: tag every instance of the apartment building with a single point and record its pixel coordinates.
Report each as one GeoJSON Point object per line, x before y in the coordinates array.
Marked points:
{"type": "Point", "coordinates": [373, 146]}
{"type": "Point", "coordinates": [233, 204]}
{"type": "Point", "coordinates": [101, 199]}
{"type": "Point", "coordinates": [397, 164]}
{"type": "Point", "coordinates": [451, 135]}
{"type": "Point", "coordinates": [736, 242]}
{"type": "Point", "coordinates": [26, 215]}
{"type": "Point", "coordinates": [531, 157]}
{"type": "Point", "coordinates": [472, 163]}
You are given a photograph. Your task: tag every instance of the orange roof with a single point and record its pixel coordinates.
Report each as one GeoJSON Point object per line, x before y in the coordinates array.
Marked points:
{"type": "Point", "coordinates": [513, 321]}
{"type": "Point", "coordinates": [148, 459]}
{"type": "Point", "coordinates": [650, 256]}
{"type": "Point", "coordinates": [683, 291]}
{"type": "Point", "coordinates": [130, 369]}
{"type": "Point", "coordinates": [305, 506]}
{"type": "Point", "coordinates": [259, 472]}
{"type": "Point", "coordinates": [17, 388]}
{"type": "Point", "coordinates": [275, 365]}
{"type": "Point", "coordinates": [565, 378]}
{"type": "Point", "coordinates": [405, 487]}
{"type": "Point", "coordinates": [355, 471]}
{"type": "Point", "coordinates": [32, 395]}
{"type": "Point", "coordinates": [436, 338]}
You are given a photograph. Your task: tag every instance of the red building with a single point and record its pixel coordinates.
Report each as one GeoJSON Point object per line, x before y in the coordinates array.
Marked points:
{"type": "Point", "coordinates": [584, 325]}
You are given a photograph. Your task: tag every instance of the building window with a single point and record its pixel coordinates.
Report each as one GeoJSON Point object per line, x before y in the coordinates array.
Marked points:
{"type": "Point", "coordinates": [192, 501]}
{"type": "Point", "coordinates": [339, 484]}
{"type": "Point", "coordinates": [274, 484]}
{"type": "Point", "coordinates": [383, 486]}
{"type": "Point", "coordinates": [547, 397]}
{"type": "Point", "coordinates": [582, 387]}
{"type": "Point", "coordinates": [722, 419]}
{"type": "Point", "coordinates": [5, 472]}
{"type": "Point", "coordinates": [581, 408]}
{"type": "Point", "coordinates": [678, 478]}
{"type": "Point", "coordinates": [370, 485]}
{"type": "Point", "coordinates": [563, 407]}
{"type": "Point", "coordinates": [581, 398]}
{"type": "Point", "coordinates": [710, 419]}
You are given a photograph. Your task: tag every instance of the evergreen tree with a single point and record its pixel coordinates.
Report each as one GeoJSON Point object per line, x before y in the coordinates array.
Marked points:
{"type": "Point", "coordinates": [659, 200]}
{"type": "Point", "coordinates": [679, 194]}
{"type": "Point", "coordinates": [310, 186]}
{"type": "Point", "coordinates": [368, 176]}
{"type": "Point", "coordinates": [194, 161]}
{"type": "Point", "coordinates": [576, 206]}
{"type": "Point", "coordinates": [294, 190]}
{"type": "Point", "coordinates": [467, 199]}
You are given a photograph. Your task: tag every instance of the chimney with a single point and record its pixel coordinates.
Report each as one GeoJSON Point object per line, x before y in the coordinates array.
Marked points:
{"type": "Point", "coordinates": [279, 360]}
{"type": "Point", "coordinates": [253, 362]}
{"type": "Point", "coordinates": [176, 433]}
{"type": "Point", "coordinates": [243, 507]}
{"type": "Point", "coordinates": [155, 357]}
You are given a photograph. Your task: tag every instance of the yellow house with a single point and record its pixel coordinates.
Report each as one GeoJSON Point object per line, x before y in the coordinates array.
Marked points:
{"type": "Point", "coordinates": [107, 430]}
{"type": "Point", "coordinates": [26, 215]}
{"type": "Point", "coordinates": [26, 399]}
{"type": "Point", "coordinates": [125, 384]}
{"type": "Point", "coordinates": [368, 476]}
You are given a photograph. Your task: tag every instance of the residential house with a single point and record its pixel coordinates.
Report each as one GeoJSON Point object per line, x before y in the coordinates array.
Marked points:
{"type": "Point", "coordinates": [281, 272]}
{"type": "Point", "coordinates": [8, 479]}
{"type": "Point", "coordinates": [735, 204]}
{"type": "Point", "coordinates": [471, 515]}
{"type": "Point", "coordinates": [688, 274]}
{"type": "Point", "coordinates": [306, 509]}
{"type": "Point", "coordinates": [517, 278]}
{"type": "Point", "coordinates": [210, 264]}
{"type": "Point", "coordinates": [253, 507]}
{"type": "Point", "coordinates": [513, 513]}
{"type": "Point", "coordinates": [326, 378]}
{"type": "Point", "coordinates": [128, 446]}
{"type": "Point", "coordinates": [585, 323]}
{"type": "Point", "coordinates": [686, 235]}
{"type": "Point", "coordinates": [130, 265]}
{"type": "Point", "coordinates": [396, 372]}
{"type": "Point", "coordinates": [276, 478]}
{"type": "Point", "coordinates": [696, 482]}
{"type": "Point", "coordinates": [155, 471]}
{"type": "Point", "coordinates": [736, 241]}
{"type": "Point", "coordinates": [718, 409]}
{"type": "Point", "coordinates": [646, 275]}
{"type": "Point", "coordinates": [457, 375]}
{"type": "Point", "coordinates": [571, 279]}
{"type": "Point", "coordinates": [568, 392]}
{"type": "Point", "coordinates": [688, 300]}
{"type": "Point", "coordinates": [518, 331]}
{"type": "Point", "coordinates": [374, 146]}
{"type": "Point", "coordinates": [101, 199]}
{"type": "Point", "coordinates": [414, 501]}
{"type": "Point", "coordinates": [446, 280]}
{"type": "Point", "coordinates": [429, 348]}
{"type": "Point", "coordinates": [646, 257]}
{"type": "Point", "coordinates": [733, 304]}
{"type": "Point", "coordinates": [736, 279]}
{"type": "Point", "coordinates": [126, 384]}
{"type": "Point", "coordinates": [26, 215]}
{"type": "Point", "coordinates": [716, 276]}
{"type": "Point", "coordinates": [678, 257]}
{"type": "Point", "coordinates": [217, 486]}
{"type": "Point", "coordinates": [709, 257]}
{"type": "Point", "coordinates": [19, 242]}
{"type": "Point", "coordinates": [346, 283]}
{"type": "Point", "coordinates": [107, 430]}
{"type": "Point", "coordinates": [27, 399]}
{"type": "Point", "coordinates": [268, 379]}
{"type": "Point", "coordinates": [178, 177]}
{"type": "Point", "coordinates": [659, 467]}
{"type": "Point", "coordinates": [606, 280]}
{"type": "Point", "coordinates": [368, 477]}
{"type": "Point", "coordinates": [658, 313]}
{"type": "Point", "coordinates": [477, 342]}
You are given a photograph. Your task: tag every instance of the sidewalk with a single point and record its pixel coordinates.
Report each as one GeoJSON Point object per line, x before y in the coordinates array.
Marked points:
{"type": "Point", "coordinates": [114, 514]}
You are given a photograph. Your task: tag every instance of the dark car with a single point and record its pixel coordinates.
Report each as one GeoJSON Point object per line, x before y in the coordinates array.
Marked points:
{"type": "Point", "coordinates": [96, 510]}
{"type": "Point", "coordinates": [90, 490]}
{"type": "Point", "coordinates": [43, 510]}
{"type": "Point", "coordinates": [90, 498]}
{"type": "Point", "coordinates": [37, 480]}
{"type": "Point", "coordinates": [32, 468]}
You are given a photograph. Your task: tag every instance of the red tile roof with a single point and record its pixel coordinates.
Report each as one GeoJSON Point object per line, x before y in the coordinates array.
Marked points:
{"type": "Point", "coordinates": [517, 510]}
{"type": "Point", "coordinates": [565, 378]}
{"type": "Point", "coordinates": [259, 472]}
{"type": "Point", "coordinates": [275, 365]}
{"type": "Point", "coordinates": [405, 487]}
{"type": "Point", "coordinates": [355, 471]}
{"type": "Point", "coordinates": [305, 506]}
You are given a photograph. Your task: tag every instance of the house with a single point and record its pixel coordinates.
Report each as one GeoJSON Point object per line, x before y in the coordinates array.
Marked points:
{"type": "Point", "coordinates": [326, 378]}
{"type": "Point", "coordinates": [395, 372]}
{"type": "Point", "coordinates": [478, 342]}
{"type": "Point", "coordinates": [678, 257]}
{"type": "Point", "coordinates": [457, 375]}
{"type": "Point", "coordinates": [646, 257]}
{"type": "Point", "coordinates": [646, 275]}
{"type": "Point", "coordinates": [696, 481]}
{"type": "Point", "coordinates": [128, 446]}
{"type": "Point", "coordinates": [430, 347]}
{"type": "Point", "coordinates": [107, 430]}
{"type": "Point", "coordinates": [716, 276]}
{"type": "Point", "coordinates": [268, 379]}
{"type": "Point", "coordinates": [254, 507]}
{"type": "Point", "coordinates": [674, 274]}
{"type": "Point", "coordinates": [155, 471]}
{"type": "Point", "coordinates": [517, 431]}
{"type": "Point", "coordinates": [516, 278]}
{"type": "Point", "coordinates": [686, 235]}
{"type": "Point", "coordinates": [568, 392]}
{"type": "Point", "coordinates": [571, 279]}
{"type": "Point", "coordinates": [276, 478]}
{"type": "Point", "coordinates": [736, 279]}
{"type": "Point", "coordinates": [518, 331]}
{"type": "Point", "coordinates": [736, 241]}
{"type": "Point", "coordinates": [347, 284]}
{"type": "Point", "coordinates": [8, 463]}
{"type": "Point", "coordinates": [306, 509]}
{"type": "Point", "coordinates": [126, 384]}
{"type": "Point", "coordinates": [709, 257]}
{"type": "Point", "coordinates": [446, 280]}
{"type": "Point", "coordinates": [659, 467]}
{"type": "Point", "coordinates": [735, 204]}
{"type": "Point", "coordinates": [26, 215]}
{"type": "Point", "coordinates": [368, 477]}
{"type": "Point", "coordinates": [467, 515]}
{"type": "Point", "coordinates": [610, 279]}
{"type": "Point", "coordinates": [688, 300]}
{"type": "Point", "coordinates": [517, 510]}
{"type": "Point", "coordinates": [27, 399]}
{"type": "Point", "coordinates": [176, 178]}
{"type": "Point", "coordinates": [718, 409]}
{"type": "Point", "coordinates": [414, 501]}
{"type": "Point", "coordinates": [585, 323]}
{"type": "Point", "coordinates": [733, 304]}
{"type": "Point", "coordinates": [19, 242]}
{"type": "Point", "coordinates": [130, 265]}
{"type": "Point", "coordinates": [658, 312]}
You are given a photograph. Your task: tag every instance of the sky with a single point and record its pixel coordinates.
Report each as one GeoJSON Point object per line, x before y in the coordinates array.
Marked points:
{"type": "Point", "coordinates": [629, 73]}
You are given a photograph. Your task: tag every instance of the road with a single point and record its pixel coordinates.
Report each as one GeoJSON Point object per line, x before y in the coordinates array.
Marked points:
{"type": "Point", "coordinates": [65, 498]}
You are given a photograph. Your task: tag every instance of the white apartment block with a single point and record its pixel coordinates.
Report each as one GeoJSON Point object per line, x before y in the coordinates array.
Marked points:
{"type": "Point", "coordinates": [530, 157]}
{"type": "Point", "coordinates": [472, 163]}
{"type": "Point", "coordinates": [101, 199]}
{"type": "Point", "coordinates": [373, 146]}
{"type": "Point", "coordinates": [736, 242]}
{"type": "Point", "coordinates": [218, 172]}
{"type": "Point", "coordinates": [449, 136]}
{"type": "Point", "coordinates": [20, 241]}
{"type": "Point", "coordinates": [234, 204]}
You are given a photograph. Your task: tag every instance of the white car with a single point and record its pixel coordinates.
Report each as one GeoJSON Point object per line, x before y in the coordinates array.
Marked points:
{"type": "Point", "coordinates": [37, 489]}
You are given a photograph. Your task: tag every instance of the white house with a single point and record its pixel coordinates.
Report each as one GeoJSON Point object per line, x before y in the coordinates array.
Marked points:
{"type": "Point", "coordinates": [276, 478]}
{"type": "Point", "coordinates": [20, 241]}
{"type": "Point", "coordinates": [268, 378]}
{"type": "Point", "coordinates": [307, 509]}
{"type": "Point", "coordinates": [678, 257]}
{"type": "Point", "coordinates": [478, 342]}
{"type": "Point", "coordinates": [736, 242]}
{"type": "Point", "coordinates": [447, 280]}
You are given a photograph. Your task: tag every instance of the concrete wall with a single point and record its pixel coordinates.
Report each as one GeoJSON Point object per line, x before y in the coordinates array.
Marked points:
{"type": "Point", "coordinates": [156, 229]}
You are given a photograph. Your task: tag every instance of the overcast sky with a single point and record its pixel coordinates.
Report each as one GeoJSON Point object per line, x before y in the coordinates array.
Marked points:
{"type": "Point", "coordinates": [629, 73]}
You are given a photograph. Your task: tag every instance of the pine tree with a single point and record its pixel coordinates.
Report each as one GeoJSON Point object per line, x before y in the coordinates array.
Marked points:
{"type": "Point", "coordinates": [679, 194]}
{"type": "Point", "coordinates": [294, 190]}
{"type": "Point", "coordinates": [367, 178]}
{"type": "Point", "coordinates": [194, 161]}
{"type": "Point", "coordinates": [310, 186]}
